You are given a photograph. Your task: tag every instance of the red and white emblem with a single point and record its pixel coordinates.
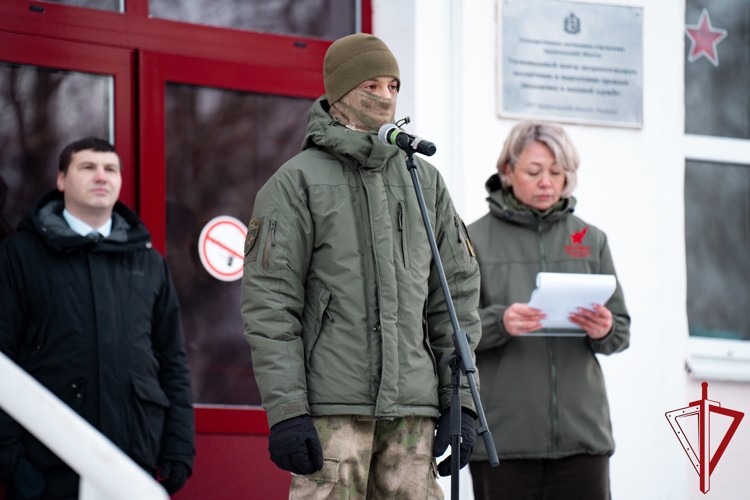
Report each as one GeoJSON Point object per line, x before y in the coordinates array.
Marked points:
{"type": "Point", "coordinates": [220, 247]}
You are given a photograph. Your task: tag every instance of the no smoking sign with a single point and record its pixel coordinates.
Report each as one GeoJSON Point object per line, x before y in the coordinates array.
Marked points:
{"type": "Point", "coordinates": [221, 247]}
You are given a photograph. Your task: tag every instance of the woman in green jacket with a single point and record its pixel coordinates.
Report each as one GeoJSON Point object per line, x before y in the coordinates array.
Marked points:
{"type": "Point", "coordinates": [544, 394]}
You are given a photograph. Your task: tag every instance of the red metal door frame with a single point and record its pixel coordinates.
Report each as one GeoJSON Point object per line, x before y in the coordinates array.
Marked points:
{"type": "Point", "coordinates": [229, 438]}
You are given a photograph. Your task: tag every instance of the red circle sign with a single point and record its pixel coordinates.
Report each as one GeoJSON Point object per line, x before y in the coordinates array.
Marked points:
{"type": "Point", "coordinates": [221, 247]}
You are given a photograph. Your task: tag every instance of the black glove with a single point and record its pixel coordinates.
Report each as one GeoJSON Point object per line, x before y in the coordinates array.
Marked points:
{"type": "Point", "coordinates": [294, 446]}
{"type": "Point", "coordinates": [443, 439]}
{"type": "Point", "coordinates": [173, 475]}
{"type": "Point", "coordinates": [28, 482]}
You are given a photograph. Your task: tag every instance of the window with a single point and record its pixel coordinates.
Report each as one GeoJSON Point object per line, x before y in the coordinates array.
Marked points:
{"type": "Point", "coordinates": [48, 100]}
{"type": "Point", "coordinates": [217, 131]}
{"type": "Point", "coordinates": [45, 109]}
{"type": "Point", "coordinates": [717, 226]}
{"type": "Point", "coordinates": [717, 68]}
{"type": "Point", "coordinates": [221, 147]}
{"type": "Point", "coordinates": [312, 18]}
{"type": "Point", "coordinates": [717, 187]}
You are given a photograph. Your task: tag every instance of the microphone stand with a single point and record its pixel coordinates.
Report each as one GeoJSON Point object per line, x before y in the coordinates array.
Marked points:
{"type": "Point", "coordinates": [461, 360]}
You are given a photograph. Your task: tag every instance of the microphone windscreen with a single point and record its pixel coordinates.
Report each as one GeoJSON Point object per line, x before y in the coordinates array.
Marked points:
{"type": "Point", "coordinates": [385, 131]}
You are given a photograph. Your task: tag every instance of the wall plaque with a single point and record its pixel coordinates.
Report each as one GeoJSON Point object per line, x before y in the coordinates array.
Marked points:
{"type": "Point", "coordinates": [571, 62]}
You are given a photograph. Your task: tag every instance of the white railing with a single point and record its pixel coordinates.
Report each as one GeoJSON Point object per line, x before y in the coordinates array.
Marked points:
{"type": "Point", "coordinates": [106, 472]}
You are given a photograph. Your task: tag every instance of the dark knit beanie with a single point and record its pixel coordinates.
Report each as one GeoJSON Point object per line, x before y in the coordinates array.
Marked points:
{"type": "Point", "coordinates": [354, 59]}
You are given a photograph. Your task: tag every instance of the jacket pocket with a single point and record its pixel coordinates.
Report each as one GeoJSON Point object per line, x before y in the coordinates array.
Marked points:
{"type": "Point", "coordinates": [148, 414]}
{"type": "Point", "coordinates": [426, 340]}
{"type": "Point", "coordinates": [270, 242]}
{"type": "Point", "coordinates": [316, 312]}
{"type": "Point", "coordinates": [403, 233]}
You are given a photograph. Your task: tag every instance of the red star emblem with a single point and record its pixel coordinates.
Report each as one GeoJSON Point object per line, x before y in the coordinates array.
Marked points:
{"type": "Point", "coordinates": [704, 39]}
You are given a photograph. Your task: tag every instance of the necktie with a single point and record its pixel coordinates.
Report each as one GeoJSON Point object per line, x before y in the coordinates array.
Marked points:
{"type": "Point", "coordinates": [94, 235]}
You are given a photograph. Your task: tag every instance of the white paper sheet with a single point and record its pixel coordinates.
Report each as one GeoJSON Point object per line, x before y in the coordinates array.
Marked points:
{"type": "Point", "coordinates": [559, 294]}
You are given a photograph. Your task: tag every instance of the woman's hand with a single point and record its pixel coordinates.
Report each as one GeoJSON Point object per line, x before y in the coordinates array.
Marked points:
{"type": "Point", "coordinates": [520, 318]}
{"type": "Point", "coordinates": [596, 322]}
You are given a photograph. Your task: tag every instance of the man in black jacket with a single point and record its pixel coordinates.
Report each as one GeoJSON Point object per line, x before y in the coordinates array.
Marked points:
{"type": "Point", "coordinates": [88, 308]}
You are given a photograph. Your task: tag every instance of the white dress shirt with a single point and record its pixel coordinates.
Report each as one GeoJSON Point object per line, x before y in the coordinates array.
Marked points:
{"type": "Point", "coordinates": [84, 229]}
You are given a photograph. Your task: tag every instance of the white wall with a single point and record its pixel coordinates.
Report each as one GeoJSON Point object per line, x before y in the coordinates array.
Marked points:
{"type": "Point", "coordinates": [630, 185]}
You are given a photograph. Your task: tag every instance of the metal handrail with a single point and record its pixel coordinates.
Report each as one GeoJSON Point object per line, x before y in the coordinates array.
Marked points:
{"type": "Point", "coordinates": [106, 472]}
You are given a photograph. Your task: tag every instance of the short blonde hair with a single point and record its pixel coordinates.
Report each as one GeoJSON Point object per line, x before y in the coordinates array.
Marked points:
{"type": "Point", "coordinates": [552, 136]}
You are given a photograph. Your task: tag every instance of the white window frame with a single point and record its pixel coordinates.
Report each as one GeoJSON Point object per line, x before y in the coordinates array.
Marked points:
{"type": "Point", "coordinates": [712, 358]}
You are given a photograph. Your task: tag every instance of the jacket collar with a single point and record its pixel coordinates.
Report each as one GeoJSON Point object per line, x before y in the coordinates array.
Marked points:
{"type": "Point", "coordinates": [350, 146]}
{"type": "Point", "coordinates": [504, 206]}
{"type": "Point", "coordinates": [46, 220]}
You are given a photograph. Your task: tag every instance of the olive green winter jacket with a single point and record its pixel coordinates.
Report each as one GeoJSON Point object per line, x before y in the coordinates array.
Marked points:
{"type": "Point", "coordinates": [340, 301]}
{"type": "Point", "coordinates": [544, 397]}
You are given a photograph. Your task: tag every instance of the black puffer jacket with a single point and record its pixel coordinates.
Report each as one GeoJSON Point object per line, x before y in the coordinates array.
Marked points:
{"type": "Point", "coordinates": [98, 324]}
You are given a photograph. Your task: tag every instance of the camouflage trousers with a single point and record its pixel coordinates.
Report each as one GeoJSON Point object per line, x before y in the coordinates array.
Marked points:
{"type": "Point", "coordinates": [372, 459]}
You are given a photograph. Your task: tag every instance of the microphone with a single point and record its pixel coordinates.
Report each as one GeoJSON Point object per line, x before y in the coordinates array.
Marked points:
{"type": "Point", "coordinates": [394, 136]}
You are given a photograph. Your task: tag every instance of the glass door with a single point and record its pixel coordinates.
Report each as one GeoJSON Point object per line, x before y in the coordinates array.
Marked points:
{"type": "Point", "coordinates": [51, 93]}
{"type": "Point", "coordinates": [212, 133]}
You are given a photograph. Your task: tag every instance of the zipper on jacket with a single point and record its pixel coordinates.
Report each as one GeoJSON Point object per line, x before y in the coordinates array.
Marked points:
{"type": "Point", "coordinates": [402, 232]}
{"type": "Point", "coordinates": [463, 237]}
{"type": "Point", "coordinates": [542, 249]}
{"type": "Point", "coordinates": [554, 410]}
{"type": "Point", "coordinates": [270, 242]}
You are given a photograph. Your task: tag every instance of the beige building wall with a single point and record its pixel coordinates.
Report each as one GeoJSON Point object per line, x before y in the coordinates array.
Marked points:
{"type": "Point", "coordinates": [631, 186]}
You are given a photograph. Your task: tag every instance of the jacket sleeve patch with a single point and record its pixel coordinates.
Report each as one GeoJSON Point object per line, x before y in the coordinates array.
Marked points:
{"type": "Point", "coordinates": [253, 230]}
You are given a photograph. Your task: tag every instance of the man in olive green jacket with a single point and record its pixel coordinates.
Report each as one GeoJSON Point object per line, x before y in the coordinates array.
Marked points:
{"type": "Point", "coordinates": [342, 306]}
